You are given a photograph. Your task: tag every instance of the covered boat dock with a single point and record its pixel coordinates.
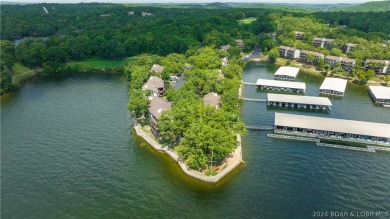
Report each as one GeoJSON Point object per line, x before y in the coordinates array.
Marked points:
{"type": "Point", "coordinates": [305, 102]}
{"type": "Point", "coordinates": [333, 129]}
{"type": "Point", "coordinates": [333, 86]}
{"type": "Point", "coordinates": [380, 94]}
{"type": "Point", "coordinates": [286, 73]}
{"type": "Point", "coordinates": [286, 86]}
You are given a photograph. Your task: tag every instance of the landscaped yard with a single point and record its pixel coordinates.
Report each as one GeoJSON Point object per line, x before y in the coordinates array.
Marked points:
{"type": "Point", "coordinates": [247, 20]}
{"type": "Point", "coordinates": [97, 62]}
{"type": "Point", "coordinates": [19, 69]}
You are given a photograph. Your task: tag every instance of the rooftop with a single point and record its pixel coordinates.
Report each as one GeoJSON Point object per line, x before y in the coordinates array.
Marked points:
{"type": "Point", "coordinates": [336, 84]}
{"type": "Point", "coordinates": [380, 92]}
{"type": "Point", "coordinates": [153, 84]}
{"type": "Point", "coordinates": [275, 83]}
{"type": "Point", "coordinates": [158, 105]}
{"type": "Point", "coordinates": [377, 61]}
{"type": "Point", "coordinates": [323, 39]}
{"type": "Point", "coordinates": [212, 99]}
{"type": "Point", "coordinates": [157, 68]}
{"type": "Point", "coordinates": [323, 101]}
{"type": "Point", "coordinates": [288, 71]}
{"type": "Point", "coordinates": [288, 48]}
{"type": "Point", "coordinates": [334, 125]}
{"type": "Point", "coordinates": [311, 52]}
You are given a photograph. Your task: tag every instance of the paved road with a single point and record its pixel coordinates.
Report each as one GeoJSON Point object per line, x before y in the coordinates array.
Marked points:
{"type": "Point", "coordinates": [254, 55]}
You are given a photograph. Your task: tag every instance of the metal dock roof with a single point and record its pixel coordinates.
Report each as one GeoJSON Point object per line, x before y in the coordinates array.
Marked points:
{"type": "Point", "coordinates": [333, 125]}
{"type": "Point", "coordinates": [287, 84]}
{"type": "Point", "coordinates": [323, 101]}
{"type": "Point", "coordinates": [288, 71]}
{"type": "Point", "coordinates": [380, 92]}
{"type": "Point", "coordinates": [336, 84]}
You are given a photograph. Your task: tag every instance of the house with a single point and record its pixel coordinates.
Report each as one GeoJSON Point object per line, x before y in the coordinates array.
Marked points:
{"type": "Point", "coordinates": [240, 43]}
{"type": "Point", "coordinates": [156, 85]}
{"type": "Point", "coordinates": [346, 63]}
{"type": "Point", "coordinates": [143, 14]}
{"type": "Point", "coordinates": [348, 47]}
{"type": "Point", "coordinates": [323, 42]}
{"type": "Point", "coordinates": [156, 107]}
{"type": "Point", "coordinates": [157, 68]}
{"type": "Point", "coordinates": [316, 56]}
{"type": "Point", "coordinates": [105, 15]}
{"type": "Point", "coordinates": [212, 99]}
{"type": "Point", "coordinates": [225, 47]}
{"type": "Point", "coordinates": [379, 66]}
{"type": "Point", "coordinates": [288, 52]}
{"type": "Point", "coordinates": [299, 35]}
{"type": "Point", "coordinates": [131, 13]}
{"type": "Point", "coordinates": [224, 61]}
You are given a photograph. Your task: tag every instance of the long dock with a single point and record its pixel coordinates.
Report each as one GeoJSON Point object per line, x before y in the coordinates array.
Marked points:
{"type": "Point", "coordinates": [378, 148]}
{"type": "Point", "coordinates": [345, 147]}
{"type": "Point", "coordinates": [249, 83]}
{"type": "Point", "coordinates": [260, 128]}
{"type": "Point", "coordinates": [293, 137]}
{"type": "Point", "coordinates": [254, 99]}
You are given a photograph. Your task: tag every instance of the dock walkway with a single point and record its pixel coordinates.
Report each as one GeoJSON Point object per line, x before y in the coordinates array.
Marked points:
{"type": "Point", "coordinates": [254, 99]}
{"type": "Point", "coordinates": [293, 137]}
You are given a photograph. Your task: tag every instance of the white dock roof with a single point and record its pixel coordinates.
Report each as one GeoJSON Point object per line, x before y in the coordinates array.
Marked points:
{"type": "Point", "coordinates": [380, 92]}
{"type": "Point", "coordinates": [323, 101]}
{"type": "Point", "coordinates": [336, 84]}
{"type": "Point", "coordinates": [334, 125]}
{"type": "Point", "coordinates": [288, 71]}
{"type": "Point", "coordinates": [287, 84]}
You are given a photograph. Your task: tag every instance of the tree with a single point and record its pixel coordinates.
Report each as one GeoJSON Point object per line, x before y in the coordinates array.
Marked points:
{"type": "Point", "coordinates": [138, 103]}
{"type": "Point", "coordinates": [310, 58]}
{"type": "Point", "coordinates": [273, 55]}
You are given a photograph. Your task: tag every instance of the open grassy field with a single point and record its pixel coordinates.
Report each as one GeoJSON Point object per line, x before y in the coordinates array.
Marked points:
{"type": "Point", "coordinates": [247, 20]}
{"type": "Point", "coordinates": [19, 69]}
{"type": "Point", "coordinates": [97, 62]}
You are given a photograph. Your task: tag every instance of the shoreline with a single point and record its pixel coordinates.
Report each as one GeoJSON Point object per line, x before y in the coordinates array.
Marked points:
{"type": "Point", "coordinates": [236, 158]}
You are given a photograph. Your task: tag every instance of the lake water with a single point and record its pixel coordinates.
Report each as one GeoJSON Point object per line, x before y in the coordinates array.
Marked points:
{"type": "Point", "coordinates": [68, 151]}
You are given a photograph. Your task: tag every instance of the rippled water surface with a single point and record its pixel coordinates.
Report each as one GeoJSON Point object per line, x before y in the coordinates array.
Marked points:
{"type": "Point", "coordinates": [67, 151]}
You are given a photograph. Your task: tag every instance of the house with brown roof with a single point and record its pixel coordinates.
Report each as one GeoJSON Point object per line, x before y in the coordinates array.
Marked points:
{"type": "Point", "coordinates": [289, 52]}
{"type": "Point", "coordinates": [346, 63]}
{"type": "Point", "coordinates": [299, 35]}
{"type": "Point", "coordinates": [379, 66]}
{"type": "Point", "coordinates": [212, 99]}
{"type": "Point", "coordinates": [323, 42]}
{"type": "Point", "coordinates": [156, 107]}
{"type": "Point", "coordinates": [156, 85]}
{"type": "Point", "coordinates": [348, 47]}
{"type": "Point", "coordinates": [225, 47]}
{"type": "Point", "coordinates": [316, 56]}
{"type": "Point", "coordinates": [157, 68]}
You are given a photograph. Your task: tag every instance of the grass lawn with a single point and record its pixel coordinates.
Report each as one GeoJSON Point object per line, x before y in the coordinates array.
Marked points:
{"type": "Point", "coordinates": [97, 62]}
{"type": "Point", "coordinates": [19, 69]}
{"type": "Point", "coordinates": [247, 20]}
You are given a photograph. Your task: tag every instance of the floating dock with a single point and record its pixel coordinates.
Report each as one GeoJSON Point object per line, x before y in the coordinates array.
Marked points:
{"type": "Point", "coordinates": [285, 86]}
{"type": "Point", "coordinates": [333, 86]}
{"type": "Point", "coordinates": [305, 102]}
{"type": "Point", "coordinates": [333, 129]}
{"type": "Point", "coordinates": [286, 73]}
{"type": "Point", "coordinates": [380, 94]}
{"type": "Point", "coordinates": [345, 147]}
{"type": "Point", "coordinates": [293, 137]}
{"type": "Point", "coordinates": [254, 99]}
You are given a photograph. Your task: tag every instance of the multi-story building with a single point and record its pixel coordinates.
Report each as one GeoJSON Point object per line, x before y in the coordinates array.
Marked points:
{"type": "Point", "coordinates": [156, 85]}
{"type": "Point", "coordinates": [346, 63]}
{"type": "Point", "coordinates": [240, 43]}
{"type": "Point", "coordinates": [379, 66]}
{"type": "Point", "coordinates": [288, 52]}
{"type": "Point", "coordinates": [156, 107]}
{"type": "Point", "coordinates": [323, 42]}
{"type": "Point", "coordinates": [299, 35]}
{"type": "Point", "coordinates": [316, 56]}
{"type": "Point", "coordinates": [348, 47]}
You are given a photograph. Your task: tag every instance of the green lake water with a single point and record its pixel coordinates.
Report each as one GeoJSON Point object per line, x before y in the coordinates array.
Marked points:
{"type": "Point", "coordinates": [68, 151]}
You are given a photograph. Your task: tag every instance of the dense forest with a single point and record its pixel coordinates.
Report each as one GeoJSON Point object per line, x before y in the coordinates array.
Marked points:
{"type": "Point", "coordinates": [71, 32]}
